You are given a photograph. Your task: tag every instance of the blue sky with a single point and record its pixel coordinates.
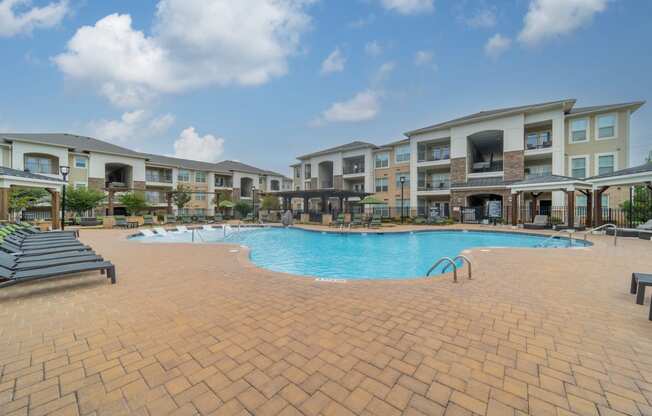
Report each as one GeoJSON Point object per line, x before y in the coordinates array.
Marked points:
{"type": "Point", "coordinates": [262, 81]}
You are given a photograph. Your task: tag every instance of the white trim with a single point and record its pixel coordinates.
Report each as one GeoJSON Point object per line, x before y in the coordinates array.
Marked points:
{"type": "Point", "coordinates": [622, 179]}
{"type": "Point", "coordinates": [496, 174]}
{"type": "Point", "coordinates": [597, 128]}
{"type": "Point", "coordinates": [587, 165]}
{"type": "Point", "coordinates": [596, 161]}
{"type": "Point", "coordinates": [552, 186]}
{"type": "Point", "coordinates": [570, 128]}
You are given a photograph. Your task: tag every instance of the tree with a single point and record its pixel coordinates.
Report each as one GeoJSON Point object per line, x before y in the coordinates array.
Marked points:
{"type": "Point", "coordinates": [639, 209]}
{"type": "Point", "coordinates": [81, 200]}
{"type": "Point", "coordinates": [270, 203]}
{"type": "Point", "coordinates": [181, 196]}
{"type": "Point", "coordinates": [243, 208]}
{"type": "Point", "coordinates": [221, 196]}
{"type": "Point", "coordinates": [22, 198]}
{"type": "Point", "coordinates": [133, 202]}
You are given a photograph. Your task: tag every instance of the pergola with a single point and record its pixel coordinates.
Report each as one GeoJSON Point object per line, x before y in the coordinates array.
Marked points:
{"type": "Point", "coordinates": [12, 177]}
{"type": "Point", "coordinates": [550, 183]}
{"type": "Point", "coordinates": [636, 175]}
{"type": "Point", "coordinates": [323, 194]}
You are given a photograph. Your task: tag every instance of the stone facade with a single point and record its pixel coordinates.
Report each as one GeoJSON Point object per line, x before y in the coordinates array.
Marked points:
{"type": "Point", "coordinates": [314, 184]}
{"type": "Point", "coordinates": [458, 170]}
{"type": "Point", "coordinates": [459, 198]}
{"type": "Point", "coordinates": [96, 183]}
{"type": "Point", "coordinates": [337, 182]}
{"type": "Point", "coordinates": [235, 195]}
{"type": "Point", "coordinates": [514, 165]}
{"type": "Point", "coordinates": [139, 186]}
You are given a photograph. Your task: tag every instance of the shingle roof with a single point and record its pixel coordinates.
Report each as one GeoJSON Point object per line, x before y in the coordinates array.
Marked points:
{"type": "Point", "coordinates": [645, 167]}
{"type": "Point", "coordinates": [596, 108]}
{"type": "Point", "coordinates": [491, 113]}
{"type": "Point", "coordinates": [71, 141]}
{"type": "Point", "coordinates": [183, 163]}
{"type": "Point", "coordinates": [232, 165]}
{"type": "Point", "coordinates": [4, 171]}
{"type": "Point", "coordinates": [341, 148]}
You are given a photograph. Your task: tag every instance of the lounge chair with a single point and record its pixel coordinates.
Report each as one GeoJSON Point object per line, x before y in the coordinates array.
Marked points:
{"type": "Point", "coordinates": [17, 258]}
{"type": "Point", "coordinates": [647, 226]}
{"type": "Point", "coordinates": [39, 264]}
{"type": "Point", "coordinates": [540, 222]}
{"type": "Point", "coordinates": [89, 222]}
{"type": "Point", "coordinates": [170, 219]}
{"type": "Point", "coordinates": [12, 277]}
{"type": "Point", "coordinates": [218, 219]}
{"type": "Point", "coordinates": [186, 219]}
{"type": "Point", "coordinates": [339, 221]}
{"type": "Point", "coordinates": [639, 282]}
{"type": "Point", "coordinates": [356, 221]}
{"type": "Point", "coordinates": [201, 219]}
{"type": "Point", "coordinates": [32, 251]}
{"type": "Point", "coordinates": [248, 218]}
{"type": "Point", "coordinates": [148, 220]}
{"type": "Point", "coordinates": [121, 221]}
{"type": "Point", "coordinates": [376, 221]}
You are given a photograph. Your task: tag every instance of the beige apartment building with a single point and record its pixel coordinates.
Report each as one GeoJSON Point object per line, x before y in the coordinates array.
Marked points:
{"type": "Point", "coordinates": [115, 170]}
{"type": "Point", "coordinates": [476, 159]}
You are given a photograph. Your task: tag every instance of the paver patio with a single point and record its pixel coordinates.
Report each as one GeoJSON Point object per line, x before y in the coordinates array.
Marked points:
{"type": "Point", "coordinates": [197, 329]}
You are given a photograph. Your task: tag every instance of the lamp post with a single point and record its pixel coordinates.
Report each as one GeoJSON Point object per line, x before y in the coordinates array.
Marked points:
{"type": "Point", "coordinates": [253, 201]}
{"type": "Point", "coordinates": [65, 170]}
{"type": "Point", "coordinates": [402, 180]}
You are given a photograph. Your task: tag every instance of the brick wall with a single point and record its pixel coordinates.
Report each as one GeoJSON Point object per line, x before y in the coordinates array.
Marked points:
{"type": "Point", "coordinates": [514, 165]}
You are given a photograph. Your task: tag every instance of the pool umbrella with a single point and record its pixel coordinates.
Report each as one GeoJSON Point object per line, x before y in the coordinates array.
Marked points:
{"type": "Point", "coordinates": [226, 204]}
{"type": "Point", "coordinates": [370, 200]}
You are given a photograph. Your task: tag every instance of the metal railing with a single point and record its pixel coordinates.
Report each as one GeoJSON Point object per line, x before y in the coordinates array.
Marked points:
{"type": "Point", "coordinates": [571, 232]}
{"type": "Point", "coordinates": [450, 262]}
{"type": "Point", "coordinates": [603, 226]}
{"type": "Point", "coordinates": [464, 259]}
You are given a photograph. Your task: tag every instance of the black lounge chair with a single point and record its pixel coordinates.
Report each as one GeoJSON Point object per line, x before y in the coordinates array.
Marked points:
{"type": "Point", "coordinates": [540, 222]}
{"type": "Point", "coordinates": [121, 221]}
{"type": "Point", "coordinates": [9, 248]}
{"type": "Point", "coordinates": [89, 222]}
{"type": "Point", "coordinates": [17, 258]}
{"type": "Point", "coordinates": [39, 264]}
{"type": "Point", "coordinates": [639, 282]}
{"type": "Point", "coordinates": [15, 277]}
{"type": "Point", "coordinates": [148, 220]}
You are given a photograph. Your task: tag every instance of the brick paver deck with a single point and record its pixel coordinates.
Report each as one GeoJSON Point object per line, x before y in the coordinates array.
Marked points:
{"type": "Point", "coordinates": [196, 329]}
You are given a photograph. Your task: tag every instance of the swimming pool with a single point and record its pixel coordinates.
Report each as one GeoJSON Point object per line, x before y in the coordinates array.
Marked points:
{"type": "Point", "coordinates": [354, 255]}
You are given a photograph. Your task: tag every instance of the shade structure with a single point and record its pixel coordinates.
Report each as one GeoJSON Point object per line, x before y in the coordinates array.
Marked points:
{"type": "Point", "coordinates": [226, 204]}
{"type": "Point", "coordinates": [370, 200]}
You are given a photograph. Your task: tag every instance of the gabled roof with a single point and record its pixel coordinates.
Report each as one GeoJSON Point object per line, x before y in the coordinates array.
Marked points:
{"type": "Point", "coordinates": [644, 168]}
{"type": "Point", "coordinates": [183, 163]}
{"type": "Point", "coordinates": [341, 148]}
{"type": "Point", "coordinates": [633, 105]}
{"type": "Point", "coordinates": [499, 112]}
{"type": "Point", "coordinates": [394, 143]}
{"type": "Point", "coordinates": [234, 166]}
{"type": "Point", "coordinates": [4, 171]}
{"type": "Point", "coordinates": [76, 143]}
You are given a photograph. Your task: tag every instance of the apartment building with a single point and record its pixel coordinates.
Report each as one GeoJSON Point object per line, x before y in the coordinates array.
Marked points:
{"type": "Point", "coordinates": [114, 170]}
{"type": "Point", "coordinates": [472, 160]}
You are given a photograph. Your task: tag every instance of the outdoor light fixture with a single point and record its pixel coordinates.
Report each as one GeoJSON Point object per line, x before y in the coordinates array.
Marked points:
{"type": "Point", "coordinates": [65, 170]}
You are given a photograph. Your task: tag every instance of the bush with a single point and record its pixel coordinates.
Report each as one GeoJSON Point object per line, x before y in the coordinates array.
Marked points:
{"type": "Point", "coordinates": [270, 203]}
{"type": "Point", "coordinates": [82, 200]}
{"type": "Point", "coordinates": [134, 202]}
{"type": "Point", "coordinates": [243, 208]}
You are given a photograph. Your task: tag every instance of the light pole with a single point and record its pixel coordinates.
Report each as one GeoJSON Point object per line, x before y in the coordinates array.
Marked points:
{"type": "Point", "coordinates": [253, 201]}
{"type": "Point", "coordinates": [65, 170]}
{"type": "Point", "coordinates": [402, 180]}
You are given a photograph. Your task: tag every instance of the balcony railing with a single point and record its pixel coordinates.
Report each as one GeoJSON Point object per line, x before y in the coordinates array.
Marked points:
{"type": "Point", "coordinates": [326, 184]}
{"type": "Point", "coordinates": [158, 178]}
{"type": "Point", "coordinates": [349, 170]}
{"type": "Point", "coordinates": [535, 144]}
{"type": "Point", "coordinates": [433, 154]}
{"type": "Point", "coordinates": [484, 167]}
{"type": "Point", "coordinates": [436, 185]}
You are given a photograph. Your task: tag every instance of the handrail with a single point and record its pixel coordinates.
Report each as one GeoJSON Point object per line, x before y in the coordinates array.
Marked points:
{"type": "Point", "coordinates": [556, 235]}
{"type": "Point", "coordinates": [586, 233]}
{"type": "Point", "coordinates": [468, 261]}
{"type": "Point", "coordinates": [450, 261]}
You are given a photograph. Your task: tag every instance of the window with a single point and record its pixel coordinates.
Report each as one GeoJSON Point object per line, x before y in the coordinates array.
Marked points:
{"type": "Point", "coordinates": [406, 205]}
{"type": "Point", "coordinates": [220, 181]}
{"type": "Point", "coordinates": [606, 164]}
{"type": "Point", "coordinates": [606, 126]}
{"type": "Point", "coordinates": [579, 130]}
{"type": "Point", "coordinates": [183, 176]}
{"type": "Point", "coordinates": [580, 201]}
{"type": "Point", "coordinates": [538, 140]}
{"type": "Point", "coordinates": [405, 175]}
{"type": "Point", "coordinates": [358, 187]}
{"type": "Point", "coordinates": [81, 162]}
{"type": "Point", "coordinates": [37, 164]}
{"type": "Point", "coordinates": [403, 153]}
{"type": "Point", "coordinates": [381, 185]}
{"type": "Point", "coordinates": [297, 172]}
{"type": "Point", "coordinates": [80, 185]}
{"type": "Point", "coordinates": [382, 210]}
{"type": "Point", "coordinates": [604, 201]}
{"type": "Point", "coordinates": [578, 167]}
{"type": "Point", "coordinates": [274, 185]}
{"type": "Point", "coordinates": [382, 160]}
{"type": "Point", "coordinates": [307, 171]}
{"type": "Point", "coordinates": [200, 177]}
{"type": "Point", "coordinates": [200, 196]}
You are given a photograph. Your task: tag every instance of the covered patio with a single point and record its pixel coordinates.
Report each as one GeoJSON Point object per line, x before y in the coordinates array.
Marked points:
{"type": "Point", "coordinates": [17, 178]}
{"type": "Point", "coordinates": [551, 183]}
{"type": "Point", "coordinates": [323, 195]}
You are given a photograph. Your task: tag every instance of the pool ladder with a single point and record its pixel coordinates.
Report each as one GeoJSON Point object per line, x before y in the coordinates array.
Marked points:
{"type": "Point", "coordinates": [452, 262]}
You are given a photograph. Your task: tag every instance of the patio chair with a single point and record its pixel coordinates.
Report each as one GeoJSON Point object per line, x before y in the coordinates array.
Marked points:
{"type": "Point", "coordinates": [356, 220]}
{"type": "Point", "coordinates": [639, 282]}
{"type": "Point", "coordinates": [201, 219]}
{"type": "Point", "coordinates": [218, 218]}
{"type": "Point", "coordinates": [186, 219]}
{"type": "Point", "coordinates": [39, 264]}
{"type": "Point", "coordinates": [89, 222]}
{"type": "Point", "coordinates": [376, 221]}
{"type": "Point", "coordinates": [13, 277]}
{"type": "Point", "coordinates": [540, 222]}
{"type": "Point", "coordinates": [170, 219]}
{"type": "Point", "coordinates": [121, 221]}
{"type": "Point", "coordinates": [248, 218]}
{"type": "Point", "coordinates": [339, 221]}
{"type": "Point", "coordinates": [148, 220]}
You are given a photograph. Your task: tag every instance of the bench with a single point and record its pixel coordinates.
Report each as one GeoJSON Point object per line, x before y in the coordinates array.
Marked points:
{"type": "Point", "coordinates": [639, 282]}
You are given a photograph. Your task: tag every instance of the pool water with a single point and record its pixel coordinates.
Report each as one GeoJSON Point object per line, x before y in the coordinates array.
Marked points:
{"type": "Point", "coordinates": [355, 255]}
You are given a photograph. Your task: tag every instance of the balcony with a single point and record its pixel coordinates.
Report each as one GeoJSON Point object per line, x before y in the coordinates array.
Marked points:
{"type": "Point", "coordinates": [430, 185]}
{"type": "Point", "coordinates": [487, 167]}
{"type": "Point", "coordinates": [538, 141]}
{"type": "Point", "coordinates": [158, 176]}
{"type": "Point", "coordinates": [155, 198]}
{"type": "Point", "coordinates": [223, 182]}
{"type": "Point", "coordinates": [433, 153]}
{"type": "Point", "coordinates": [353, 166]}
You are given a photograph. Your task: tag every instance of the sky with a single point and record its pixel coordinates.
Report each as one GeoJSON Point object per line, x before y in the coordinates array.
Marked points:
{"type": "Point", "coordinates": [262, 81]}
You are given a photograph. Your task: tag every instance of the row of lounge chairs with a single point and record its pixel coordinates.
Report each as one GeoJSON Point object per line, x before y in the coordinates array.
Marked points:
{"type": "Point", "coordinates": [356, 221]}
{"type": "Point", "coordinates": [29, 254]}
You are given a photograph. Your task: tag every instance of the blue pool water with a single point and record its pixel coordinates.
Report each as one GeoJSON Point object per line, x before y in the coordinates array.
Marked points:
{"type": "Point", "coordinates": [355, 255]}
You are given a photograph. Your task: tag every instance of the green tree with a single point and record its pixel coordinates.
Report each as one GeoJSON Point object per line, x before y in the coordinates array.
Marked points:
{"type": "Point", "coordinates": [133, 202]}
{"type": "Point", "coordinates": [243, 208]}
{"type": "Point", "coordinates": [181, 196]}
{"type": "Point", "coordinates": [81, 200]}
{"type": "Point", "coordinates": [270, 202]}
{"type": "Point", "coordinates": [639, 209]}
{"type": "Point", "coordinates": [22, 198]}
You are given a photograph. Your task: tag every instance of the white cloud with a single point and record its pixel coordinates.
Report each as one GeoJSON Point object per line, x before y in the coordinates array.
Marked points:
{"type": "Point", "coordinates": [552, 18]}
{"type": "Point", "coordinates": [423, 58]}
{"type": "Point", "coordinates": [17, 17]}
{"type": "Point", "coordinates": [194, 43]}
{"type": "Point", "coordinates": [363, 106]}
{"type": "Point", "coordinates": [132, 126]}
{"type": "Point", "coordinates": [497, 45]}
{"type": "Point", "coordinates": [373, 48]}
{"type": "Point", "coordinates": [408, 6]}
{"type": "Point", "coordinates": [483, 18]}
{"type": "Point", "coordinates": [383, 73]}
{"type": "Point", "coordinates": [191, 145]}
{"type": "Point", "coordinates": [334, 62]}
{"type": "Point", "coordinates": [362, 22]}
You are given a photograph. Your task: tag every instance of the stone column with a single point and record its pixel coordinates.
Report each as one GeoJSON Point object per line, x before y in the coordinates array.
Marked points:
{"type": "Point", "coordinates": [589, 208]}
{"type": "Point", "coordinates": [110, 204]}
{"type": "Point", "coordinates": [515, 208]}
{"type": "Point", "coordinates": [570, 206]}
{"type": "Point", "coordinates": [4, 204]}
{"type": "Point", "coordinates": [56, 220]}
